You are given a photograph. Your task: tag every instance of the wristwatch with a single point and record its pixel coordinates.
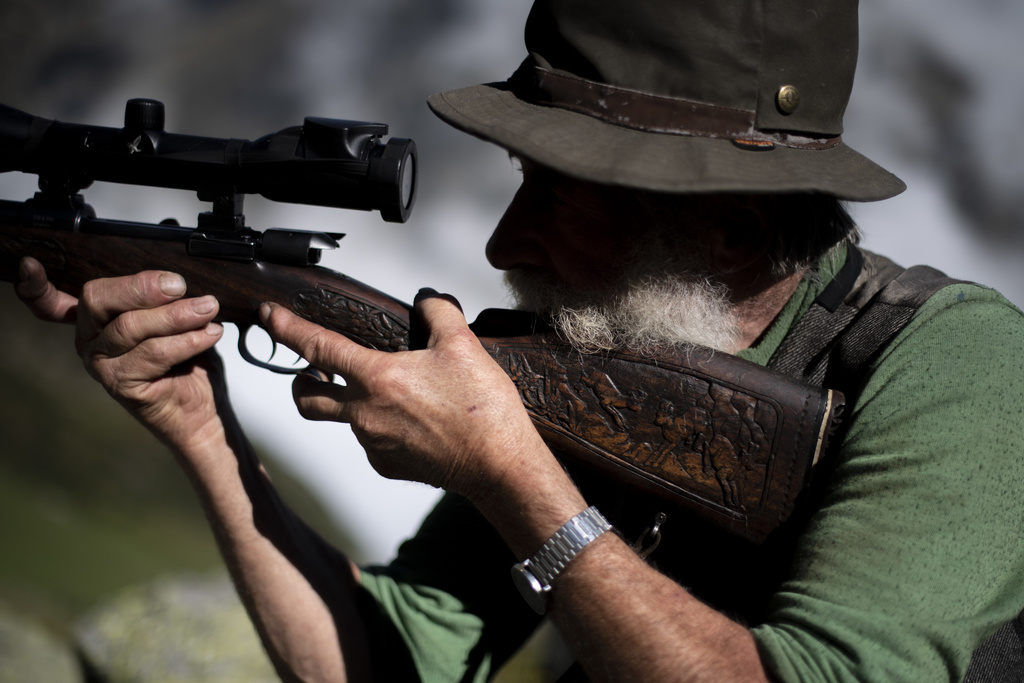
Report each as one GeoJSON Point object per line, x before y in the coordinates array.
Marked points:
{"type": "Point", "coordinates": [533, 576]}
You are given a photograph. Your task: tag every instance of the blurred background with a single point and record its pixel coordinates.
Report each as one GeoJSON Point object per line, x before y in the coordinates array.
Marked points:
{"type": "Point", "coordinates": [89, 504]}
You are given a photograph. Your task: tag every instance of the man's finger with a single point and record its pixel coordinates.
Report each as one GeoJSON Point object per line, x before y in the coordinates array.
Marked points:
{"type": "Point", "coordinates": [317, 374]}
{"type": "Point", "coordinates": [153, 358]}
{"type": "Point", "coordinates": [322, 348]}
{"type": "Point", "coordinates": [320, 400]}
{"type": "Point", "coordinates": [103, 300]}
{"type": "Point", "coordinates": [131, 328]}
{"type": "Point", "coordinates": [44, 300]}
{"type": "Point", "coordinates": [441, 314]}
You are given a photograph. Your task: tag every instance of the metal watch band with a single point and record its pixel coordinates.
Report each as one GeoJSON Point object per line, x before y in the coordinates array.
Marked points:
{"type": "Point", "coordinates": [534, 576]}
{"type": "Point", "coordinates": [566, 543]}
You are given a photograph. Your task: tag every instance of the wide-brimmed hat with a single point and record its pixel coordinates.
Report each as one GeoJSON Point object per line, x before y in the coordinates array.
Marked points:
{"type": "Point", "coordinates": [682, 96]}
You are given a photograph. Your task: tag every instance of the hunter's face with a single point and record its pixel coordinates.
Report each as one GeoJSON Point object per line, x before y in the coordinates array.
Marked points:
{"type": "Point", "coordinates": [608, 266]}
{"type": "Point", "coordinates": [572, 231]}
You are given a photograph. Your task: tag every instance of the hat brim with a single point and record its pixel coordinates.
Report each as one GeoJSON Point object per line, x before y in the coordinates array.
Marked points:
{"type": "Point", "coordinates": [587, 148]}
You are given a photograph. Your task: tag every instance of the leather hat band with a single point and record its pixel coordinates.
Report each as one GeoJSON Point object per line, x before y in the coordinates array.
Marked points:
{"type": "Point", "coordinates": [648, 112]}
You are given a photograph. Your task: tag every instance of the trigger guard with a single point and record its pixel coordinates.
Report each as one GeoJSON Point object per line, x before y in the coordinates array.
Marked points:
{"type": "Point", "coordinates": [243, 351]}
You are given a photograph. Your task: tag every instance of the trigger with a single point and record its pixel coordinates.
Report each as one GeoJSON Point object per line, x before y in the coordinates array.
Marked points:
{"type": "Point", "coordinates": [246, 354]}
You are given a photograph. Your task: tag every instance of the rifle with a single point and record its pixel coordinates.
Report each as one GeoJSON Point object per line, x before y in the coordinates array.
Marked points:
{"type": "Point", "coordinates": [705, 432]}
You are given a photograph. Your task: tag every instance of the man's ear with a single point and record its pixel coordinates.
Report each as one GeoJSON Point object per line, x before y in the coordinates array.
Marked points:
{"type": "Point", "coordinates": [744, 235]}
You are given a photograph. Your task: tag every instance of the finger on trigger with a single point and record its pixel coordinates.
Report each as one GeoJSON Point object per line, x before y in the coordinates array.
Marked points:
{"type": "Point", "coordinates": [321, 347]}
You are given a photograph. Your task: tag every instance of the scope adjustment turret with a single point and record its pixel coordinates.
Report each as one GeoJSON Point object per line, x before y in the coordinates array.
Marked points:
{"type": "Point", "coordinates": [144, 114]}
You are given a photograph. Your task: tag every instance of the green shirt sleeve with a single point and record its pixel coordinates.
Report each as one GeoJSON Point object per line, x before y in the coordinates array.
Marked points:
{"type": "Point", "coordinates": [916, 554]}
{"type": "Point", "coordinates": [441, 611]}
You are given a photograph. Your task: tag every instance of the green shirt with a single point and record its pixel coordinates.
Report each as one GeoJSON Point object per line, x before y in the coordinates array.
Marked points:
{"type": "Point", "coordinates": [914, 557]}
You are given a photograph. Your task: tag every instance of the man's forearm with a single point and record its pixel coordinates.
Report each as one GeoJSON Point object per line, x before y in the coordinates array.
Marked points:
{"type": "Point", "coordinates": [296, 588]}
{"type": "Point", "coordinates": [628, 622]}
{"type": "Point", "coordinates": [623, 620]}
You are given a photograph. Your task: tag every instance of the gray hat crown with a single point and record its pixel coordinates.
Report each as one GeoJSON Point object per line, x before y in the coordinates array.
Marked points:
{"type": "Point", "coordinates": [730, 53]}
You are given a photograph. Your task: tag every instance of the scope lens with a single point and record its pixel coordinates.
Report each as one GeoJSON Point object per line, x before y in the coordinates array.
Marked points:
{"type": "Point", "coordinates": [392, 179]}
{"type": "Point", "coordinates": [408, 180]}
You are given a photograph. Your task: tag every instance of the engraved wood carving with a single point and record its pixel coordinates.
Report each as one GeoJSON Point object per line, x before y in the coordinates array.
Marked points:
{"type": "Point", "coordinates": [711, 441]}
{"type": "Point", "coordinates": [358, 318]}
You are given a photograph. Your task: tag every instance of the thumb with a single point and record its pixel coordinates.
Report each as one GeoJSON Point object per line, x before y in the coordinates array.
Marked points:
{"type": "Point", "coordinates": [439, 315]}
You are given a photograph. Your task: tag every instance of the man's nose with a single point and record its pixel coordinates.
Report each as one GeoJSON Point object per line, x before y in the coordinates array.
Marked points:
{"type": "Point", "coordinates": [517, 241]}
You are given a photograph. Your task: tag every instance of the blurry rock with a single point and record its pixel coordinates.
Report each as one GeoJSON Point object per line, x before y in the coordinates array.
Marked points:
{"type": "Point", "coordinates": [29, 652]}
{"type": "Point", "coordinates": [177, 629]}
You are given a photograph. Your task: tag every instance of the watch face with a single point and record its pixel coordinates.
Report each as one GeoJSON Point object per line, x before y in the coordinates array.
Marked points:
{"type": "Point", "coordinates": [530, 588]}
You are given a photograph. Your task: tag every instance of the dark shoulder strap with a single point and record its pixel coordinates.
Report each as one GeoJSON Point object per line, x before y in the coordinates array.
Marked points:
{"type": "Point", "coordinates": [1000, 659]}
{"type": "Point", "coordinates": [858, 313]}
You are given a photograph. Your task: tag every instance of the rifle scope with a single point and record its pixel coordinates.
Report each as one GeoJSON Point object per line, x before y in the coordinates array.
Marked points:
{"type": "Point", "coordinates": [324, 162]}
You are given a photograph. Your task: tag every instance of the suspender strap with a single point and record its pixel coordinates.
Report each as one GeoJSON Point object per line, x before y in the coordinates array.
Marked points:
{"type": "Point", "coordinates": [1000, 659]}
{"type": "Point", "coordinates": [877, 324]}
{"type": "Point", "coordinates": [865, 306]}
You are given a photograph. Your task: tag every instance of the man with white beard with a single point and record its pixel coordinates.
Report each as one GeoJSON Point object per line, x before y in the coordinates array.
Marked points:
{"type": "Point", "coordinates": [663, 289]}
{"type": "Point", "coordinates": [682, 171]}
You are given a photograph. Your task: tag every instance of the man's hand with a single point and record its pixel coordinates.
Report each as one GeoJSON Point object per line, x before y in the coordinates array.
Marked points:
{"type": "Point", "coordinates": [136, 336]}
{"type": "Point", "coordinates": [447, 415]}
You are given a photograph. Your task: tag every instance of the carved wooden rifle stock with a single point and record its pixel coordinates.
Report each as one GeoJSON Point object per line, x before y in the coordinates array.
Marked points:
{"type": "Point", "coordinates": [712, 434]}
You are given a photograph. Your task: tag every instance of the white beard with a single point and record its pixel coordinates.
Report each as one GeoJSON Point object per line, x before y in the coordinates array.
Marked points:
{"type": "Point", "coordinates": [661, 300]}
